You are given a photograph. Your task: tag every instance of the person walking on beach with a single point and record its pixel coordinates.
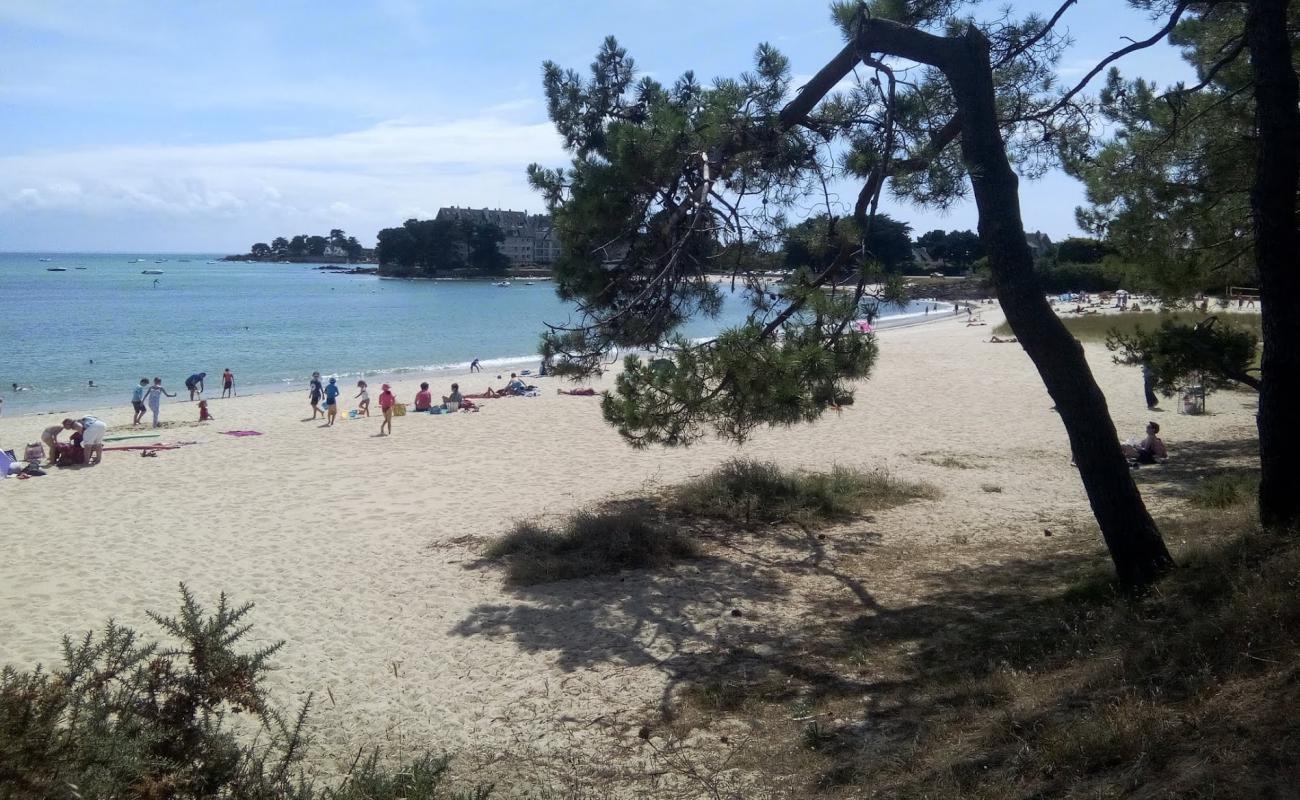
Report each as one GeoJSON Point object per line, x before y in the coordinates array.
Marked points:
{"type": "Point", "coordinates": [227, 384]}
{"type": "Point", "coordinates": [386, 401]}
{"type": "Point", "coordinates": [314, 392]}
{"type": "Point", "coordinates": [195, 384]}
{"type": "Point", "coordinates": [153, 398]}
{"type": "Point", "coordinates": [363, 392]}
{"type": "Point", "coordinates": [331, 402]}
{"type": "Point", "coordinates": [1148, 385]}
{"type": "Point", "coordinates": [137, 400]}
{"type": "Point", "coordinates": [474, 367]}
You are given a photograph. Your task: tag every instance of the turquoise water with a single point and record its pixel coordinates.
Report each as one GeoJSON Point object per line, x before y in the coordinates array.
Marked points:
{"type": "Point", "coordinates": [271, 324]}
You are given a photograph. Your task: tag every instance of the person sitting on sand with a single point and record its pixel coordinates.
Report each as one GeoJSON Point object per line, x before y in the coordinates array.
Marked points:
{"type": "Point", "coordinates": [92, 432]}
{"type": "Point", "coordinates": [423, 398]}
{"type": "Point", "coordinates": [515, 386]}
{"type": "Point", "coordinates": [577, 392]}
{"type": "Point", "coordinates": [1150, 450]}
{"type": "Point", "coordinates": [454, 399]}
{"type": "Point", "coordinates": [204, 416]}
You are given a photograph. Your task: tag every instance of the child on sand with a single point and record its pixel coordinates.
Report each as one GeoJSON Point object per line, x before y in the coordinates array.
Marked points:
{"type": "Point", "coordinates": [204, 416]}
{"type": "Point", "coordinates": [331, 401]}
{"type": "Point", "coordinates": [50, 438]}
{"type": "Point", "coordinates": [314, 392]}
{"type": "Point", "coordinates": [386, 401]}
{"type": "Point", "coordinates": [153, 398]}
{"type": "Point", "coordinates": [137, 400]}
{"type": "Point", "coordinates": [363, 408]}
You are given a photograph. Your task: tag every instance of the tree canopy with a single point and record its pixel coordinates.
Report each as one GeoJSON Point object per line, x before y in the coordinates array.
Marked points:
{"type": "Point", "coordinates": [430, 245]}
{"type": "Point", "coordinates": [662, 175]}
{"type": "Point", "coordinates": [1169, 188]}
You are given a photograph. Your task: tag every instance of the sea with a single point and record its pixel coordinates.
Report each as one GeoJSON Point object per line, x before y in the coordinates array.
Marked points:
{"type": "Point", "coordinates": [104, 321]}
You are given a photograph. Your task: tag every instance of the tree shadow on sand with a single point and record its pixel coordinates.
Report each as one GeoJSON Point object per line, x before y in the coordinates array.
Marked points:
{"type": "Point", "coordinates": [1194, 461]}
{"type": "Point", "coordinates": [680, 621]}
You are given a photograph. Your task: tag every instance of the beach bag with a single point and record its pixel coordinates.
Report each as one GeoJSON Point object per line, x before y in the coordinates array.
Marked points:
{"type": "Point", "coordinates": [34, 452]}
{"type": "Point", "coordinates": [399, 409]}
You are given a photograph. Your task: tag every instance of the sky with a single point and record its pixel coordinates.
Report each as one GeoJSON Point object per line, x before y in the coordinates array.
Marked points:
{"type": "Point", "coordinates": [133, 126]}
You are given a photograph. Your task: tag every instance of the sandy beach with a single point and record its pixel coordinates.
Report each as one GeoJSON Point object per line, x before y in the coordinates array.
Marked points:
{"type": "Point", "coordinates": [362, 552]}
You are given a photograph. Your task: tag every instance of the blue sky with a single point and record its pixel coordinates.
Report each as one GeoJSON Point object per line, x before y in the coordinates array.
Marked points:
{"type": "Point", "coordinates": [205, 126]}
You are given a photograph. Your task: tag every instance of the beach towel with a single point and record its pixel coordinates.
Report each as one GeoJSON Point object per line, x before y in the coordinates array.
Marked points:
{"type": "Point", "coordinates": [6, 462]}
{"type": "Point", "coordinates": [135, 436]}
{"type": "Point", "coordinates": [242, 433]}
{"type": "Point", "coordinates": [145, 447]}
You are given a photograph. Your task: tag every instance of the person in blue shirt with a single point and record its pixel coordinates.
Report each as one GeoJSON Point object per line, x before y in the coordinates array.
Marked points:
{"type": "Point", "coordinates": [137, 400]}
{"type": "Point", "coordinates": [331, 401]}
{"type": "Point", "coordinates": [195, 384]}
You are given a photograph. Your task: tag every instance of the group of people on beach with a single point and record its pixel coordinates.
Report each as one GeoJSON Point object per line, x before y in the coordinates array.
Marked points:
{"type": "Point", "coordinates": [149, 396]}
{"type": "Point", "coordinates": [323, 395]}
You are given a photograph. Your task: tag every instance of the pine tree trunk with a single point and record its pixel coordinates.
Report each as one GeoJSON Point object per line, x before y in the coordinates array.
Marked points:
{"type": "Point", "coordinates": [1131, 535]}
{"type": "Point", "coordinates": [1277, 248]}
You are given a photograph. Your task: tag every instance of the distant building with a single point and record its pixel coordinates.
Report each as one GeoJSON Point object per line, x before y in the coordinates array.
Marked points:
{"type": "Point", "coordinates": [1040, 244]}
{"type": "Point", "coordinates": [923, 258]}
{"type": "Point", "coordinates": [529, 237]}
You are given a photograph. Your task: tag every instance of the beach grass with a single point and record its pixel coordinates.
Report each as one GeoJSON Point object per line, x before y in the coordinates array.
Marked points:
{"type": "Point", "coordinates": [587, 544]}
{"type": "Point", "coordinates": [1026, 679]}
{"type": "Point", "coordinates": [1224, 491]}
{"type": "Point", "coordinates": [761, 491]}
{"type": "Point", "coordinates": [1096, 327]}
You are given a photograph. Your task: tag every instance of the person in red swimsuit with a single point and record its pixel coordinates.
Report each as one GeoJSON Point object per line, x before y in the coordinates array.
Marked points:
{"type": "Point", "coordinates": [386, 401]}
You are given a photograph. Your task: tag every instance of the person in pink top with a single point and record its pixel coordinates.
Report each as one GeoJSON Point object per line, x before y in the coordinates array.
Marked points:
{"type": "Point", "coordinates": [423, 398]}
{"type": "Point", "coordinates": [386, 401]}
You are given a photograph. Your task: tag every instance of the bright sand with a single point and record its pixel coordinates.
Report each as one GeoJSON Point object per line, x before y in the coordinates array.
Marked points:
{"type": "Point", "coordinates": [361, 552]}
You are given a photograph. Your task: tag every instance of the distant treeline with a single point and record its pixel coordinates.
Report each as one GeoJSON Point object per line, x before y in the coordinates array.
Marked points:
{"type": "Point", "coordinates": [427, 246]}
{"type": "Point", "coordinates": [337, 244]}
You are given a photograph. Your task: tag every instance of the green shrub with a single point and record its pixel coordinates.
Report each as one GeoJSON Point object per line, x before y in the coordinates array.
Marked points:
{"type": "Point", "coordinates": [587, 544]}
{"type": "Point", "coordinates": [760, 491]}
{"type": "Point", "coordinates": [1224, 491]}
{"type": "Point", "coordinates": [124, 718]}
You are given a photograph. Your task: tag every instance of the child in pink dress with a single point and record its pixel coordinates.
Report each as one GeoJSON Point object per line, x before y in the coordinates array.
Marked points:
{"type": "Point", "coordinates": [386, 401]}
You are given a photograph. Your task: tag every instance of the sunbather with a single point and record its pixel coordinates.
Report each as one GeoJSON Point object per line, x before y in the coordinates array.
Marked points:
{"type": "Point", "coordinates": [1150, 450]}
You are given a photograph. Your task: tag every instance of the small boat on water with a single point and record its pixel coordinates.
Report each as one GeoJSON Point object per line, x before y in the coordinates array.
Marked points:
{"type": "Point", "coordinates": [501, 283]}
{"type": "Point", "coordinates": [56, 269]}
{"type": "Point", "coordinates": [159, 261]}
{"type": "Point", "coordinates": [151, 272]}
{"type": "Point", "coordinates": [528, 283]}
{"type": "Point", "coordinates": [80, 267]}
{"type": "Point", "coordinates": [138, 261]}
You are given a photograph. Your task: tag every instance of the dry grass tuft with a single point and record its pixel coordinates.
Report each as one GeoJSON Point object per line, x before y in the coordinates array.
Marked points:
{"type": "Point", "coordinates": [1008, 681]}
{"type": "Point", "coordinates": [760, 491]}
{"type": "Point", "coordinates": [589, 544]}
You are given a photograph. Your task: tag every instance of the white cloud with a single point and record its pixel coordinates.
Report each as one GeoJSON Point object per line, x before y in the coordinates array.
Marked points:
{"type": "Point", "coordinates": [360, 180]}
